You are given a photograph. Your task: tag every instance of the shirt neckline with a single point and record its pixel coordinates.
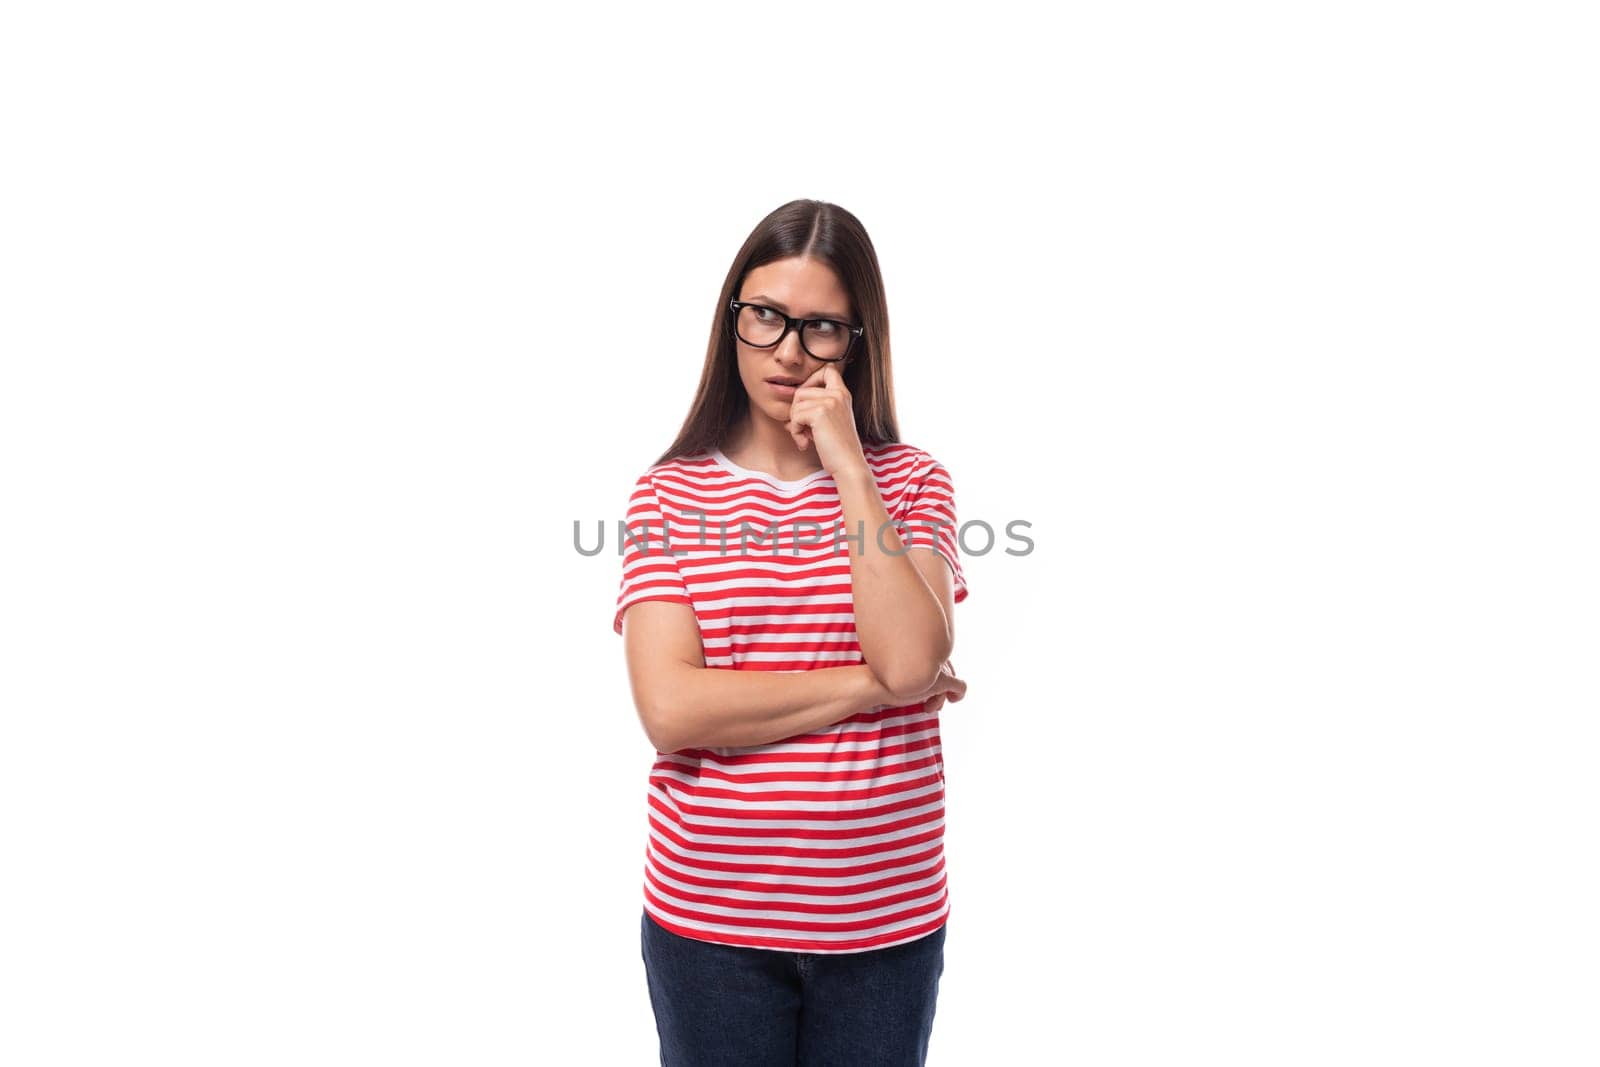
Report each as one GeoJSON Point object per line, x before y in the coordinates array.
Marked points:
{"type": "Point", "coordinates": [745, 472]}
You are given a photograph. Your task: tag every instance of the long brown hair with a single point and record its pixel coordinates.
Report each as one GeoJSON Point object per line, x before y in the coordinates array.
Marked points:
{"type": "Point", "coordinates": [829, 233]}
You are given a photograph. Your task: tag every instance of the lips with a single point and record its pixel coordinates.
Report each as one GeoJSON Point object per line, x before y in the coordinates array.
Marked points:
{"type": "Point", "coordinates": [784, 381]}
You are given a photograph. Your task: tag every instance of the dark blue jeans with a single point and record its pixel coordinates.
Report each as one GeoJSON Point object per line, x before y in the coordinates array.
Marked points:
{"type": "Point", "coordinates": [731, 1006]}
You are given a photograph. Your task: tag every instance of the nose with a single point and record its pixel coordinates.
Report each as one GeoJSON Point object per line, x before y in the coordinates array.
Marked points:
{"type": "Point", "coordinates": [790, 352]}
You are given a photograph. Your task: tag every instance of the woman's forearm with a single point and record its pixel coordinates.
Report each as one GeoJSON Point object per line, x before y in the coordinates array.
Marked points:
{"type": "Point", "coordinates": [712, 707]}
{"type": "Point", "coordinates": [900, 624]}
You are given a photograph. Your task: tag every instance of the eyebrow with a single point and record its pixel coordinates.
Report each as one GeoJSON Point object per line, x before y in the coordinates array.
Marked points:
{"type": "Point", "coordinates": [835, 316]}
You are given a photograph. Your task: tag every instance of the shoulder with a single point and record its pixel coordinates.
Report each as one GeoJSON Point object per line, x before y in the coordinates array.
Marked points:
{"type": "Point", "coordinates": [895, 459]}
{"type": "Point", "coordinates": [680, 477]}
{"type": "Point", "coordinates": [900, 461]}
{"type": "Point", "coordinates": [694, 466]}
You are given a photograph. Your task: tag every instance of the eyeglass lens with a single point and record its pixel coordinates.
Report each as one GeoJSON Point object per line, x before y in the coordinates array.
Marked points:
{"type": "Point", "coordinates": [761, 326]}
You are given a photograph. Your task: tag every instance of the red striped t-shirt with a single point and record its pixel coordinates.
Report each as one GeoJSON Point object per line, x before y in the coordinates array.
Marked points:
{"type": "Point", "coordinates": [829, 841]}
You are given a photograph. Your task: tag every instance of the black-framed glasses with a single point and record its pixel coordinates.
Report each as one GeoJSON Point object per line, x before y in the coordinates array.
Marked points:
{"type": "Point", "coordinates": [760, 326]}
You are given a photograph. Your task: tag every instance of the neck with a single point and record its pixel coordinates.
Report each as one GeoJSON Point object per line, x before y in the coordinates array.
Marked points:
{"type": "Point", "coordinates": [762, 444]}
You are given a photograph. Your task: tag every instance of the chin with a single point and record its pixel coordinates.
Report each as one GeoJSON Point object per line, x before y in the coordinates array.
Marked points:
{"type": "Point", "coordinates": [777, 409]}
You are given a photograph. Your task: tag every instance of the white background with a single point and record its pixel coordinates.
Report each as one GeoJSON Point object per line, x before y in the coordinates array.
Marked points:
{"type": "Point", "coordinates": [322, 323]}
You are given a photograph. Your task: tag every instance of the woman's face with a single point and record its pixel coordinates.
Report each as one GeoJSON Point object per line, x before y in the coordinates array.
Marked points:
{"type": "Point", "coordinates": [804, 288]}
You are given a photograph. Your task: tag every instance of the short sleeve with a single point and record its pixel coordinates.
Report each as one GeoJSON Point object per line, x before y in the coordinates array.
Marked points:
{"type": "Point", "coordinates": [648, 573]}
{"type": "Point", "coordinates": [930, 519]}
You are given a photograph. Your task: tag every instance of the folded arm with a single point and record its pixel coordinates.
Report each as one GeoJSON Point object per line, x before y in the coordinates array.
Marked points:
{"type": "Point", "coordinates": [684, 704]}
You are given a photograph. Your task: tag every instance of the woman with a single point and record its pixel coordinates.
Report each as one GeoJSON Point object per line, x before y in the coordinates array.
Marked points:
{"type": "Point", "coordinates": [787, 649]}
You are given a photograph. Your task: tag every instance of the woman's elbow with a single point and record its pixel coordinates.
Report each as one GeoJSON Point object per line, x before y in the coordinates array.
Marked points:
{"type": "Point", "coordinates": [664, 737]}
{"type": "Point", "coordinates": [660, 722]}
{"type": "Point", "coordinates": [909, 682]}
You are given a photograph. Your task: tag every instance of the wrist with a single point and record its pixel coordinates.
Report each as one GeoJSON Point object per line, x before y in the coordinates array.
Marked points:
{"type": "Point", "coordinates": [853, 474]}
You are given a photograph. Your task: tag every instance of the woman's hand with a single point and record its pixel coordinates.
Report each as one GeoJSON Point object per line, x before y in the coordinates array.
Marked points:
{"type": "Point", "coordinates": [947, 686]}
{"type": "Point", "coordinates": [824, 412]}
